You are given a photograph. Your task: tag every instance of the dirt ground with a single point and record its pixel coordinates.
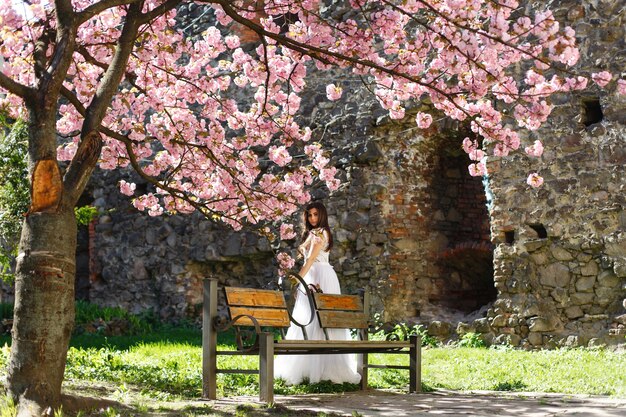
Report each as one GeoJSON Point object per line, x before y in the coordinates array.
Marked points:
{"type": "Point", "coordinates": [94, 401]}
{"type": "Point", "coordinates": [455, 403]}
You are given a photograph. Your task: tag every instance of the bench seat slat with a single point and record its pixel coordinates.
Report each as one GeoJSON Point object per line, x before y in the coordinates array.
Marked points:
{"type": "Point", "coordinates": [254, 298]}
{"type": "Point", "coordinates": [273, 317]}
{"type": "Point", "coordinates": [374, 344]}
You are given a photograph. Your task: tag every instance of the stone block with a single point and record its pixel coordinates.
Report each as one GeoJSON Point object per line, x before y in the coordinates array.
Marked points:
{"type": "Point", "coordinates": [589, 269]}
{"type": "Point", "coordinates": [540, 324]}
{"type": "Point", "coordinates": [581, 298]}
{"type": "Point", "coordinates": [616, 247]}
{"type": "Point", "coordinates": [439, 328]}
{"type": "Point", "coordinates": [619, 267]}
{"type": "Point", "coordinates": [539, 258]}
{"type": "Point", "coordinates": [554, 275]}
{"type": "Point", "coordinates": [571, 341]}
{"type": "Point", "coordinates": [508, 339]}
{"type": "Point", "coordinates": [531, 309]}
{"type": "Point", "coordinates": [463, 328]}
{"type": "Point", "coordinates": [561, 254]}
{"type": "Point", "coordinates": [533, 245]}
{"type": "Point", "coordinates": [604, 296]}
{"type": "Point", "coordinates": [574, 312]}
{"type": "Point", "coordinates": [608, 279]}
{"type": "Point", "coordinates": [585, 284]}
{"type": "Point", "coordinates": [499, 321]}
{"type": "Point", "coordinates": [535, 338]}
{"type": "Point", "coordinates": [482, 325]}
{"type": "Point", "coordinates": [559, 295]}
{"type": "Point", "coordinates": [406, 245]}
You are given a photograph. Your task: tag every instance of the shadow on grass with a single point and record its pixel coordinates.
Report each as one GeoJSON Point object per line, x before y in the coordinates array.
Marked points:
{"type": "Point", "coordinates": [167, 334]}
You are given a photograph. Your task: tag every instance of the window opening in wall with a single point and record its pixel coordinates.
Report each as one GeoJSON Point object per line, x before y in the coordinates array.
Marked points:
{"type": "Point", "coordinates": [509, 236]}
{"type": "Point", "coordinates": [592, 111]}
{"type": "Point", "coordinates": [540, 229]}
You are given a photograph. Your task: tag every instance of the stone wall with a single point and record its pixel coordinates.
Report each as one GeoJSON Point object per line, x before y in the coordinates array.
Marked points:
{"type": "Point", "coordinates": [560, 257]}
{"type": "Point", "coordinates": [521, 266]}
{"type": "Point", "coordinates": [533, 268]}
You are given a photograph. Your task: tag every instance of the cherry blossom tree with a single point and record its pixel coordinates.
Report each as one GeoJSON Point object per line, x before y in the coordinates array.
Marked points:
{"type": "Point", "coordinates": [214, 126]}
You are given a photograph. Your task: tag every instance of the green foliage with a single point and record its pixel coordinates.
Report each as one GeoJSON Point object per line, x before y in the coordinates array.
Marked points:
{"type": "Point", "coordinates": [6, 311]}
{"type": "Point", "coordinates": [402, 331]}
{"type": "Point", "coordinates": [14, 189]}
{"type": "Point", "coordinates": [87, 313]}
{"type": "Point", "coordinates": [7, 406]}
{"type": "Point", "coordinates": [471, 339]}
{"type": "Point", "coordinates": [85, 215]}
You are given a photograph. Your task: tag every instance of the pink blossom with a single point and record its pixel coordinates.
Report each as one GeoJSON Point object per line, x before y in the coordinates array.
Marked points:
{"type": "Point", "coordinates": [333, 92]}
{"type": "Point", "coordinates": [469, 145]}
{"type": "Point", "coordinates": [478, 169]}
{"type": "Point", "coordinates": [476, 155]}
{"type": "Point", "coordinates": [601, 78]}
{"type": "Point", "coordinates": [279, 155]}
{"type": "Point", "coordinates": [127, 188]}
{"type": "Point", "coordinates": [534, 180]}
{"type": "Point", "coordinates": [185, 98]}
{"type": "Point", "coordinates": [286, 231]}
{"type": "Point", "coordinates": [232, 42]}
{"type": "Point", "coordinates": [285, 262]}
{"type": "Point", "coordinates": [536, 149]}
{"type": "Point", "coordinates": [621, 87]}
{"type": "Point", "coordinates": [423, 120]}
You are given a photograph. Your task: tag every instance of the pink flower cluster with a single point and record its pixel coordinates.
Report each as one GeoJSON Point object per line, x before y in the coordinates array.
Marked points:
{"type": "Point", "coordinates": [285, 262]}
{"type": "Point", "coordinates": [179, 119]}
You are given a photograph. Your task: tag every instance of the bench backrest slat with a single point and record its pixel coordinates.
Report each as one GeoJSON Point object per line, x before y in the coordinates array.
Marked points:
{"type": "Point", "coordinates": [268, 307]}
{"type": "Point", "coordinates": [342, 319]}
{"type": "Point", "coordinates": [272, 317]}
{"type": "Point", "coordinates": [254, 298]}
{"type": "Point", "coordinates": [339, 311]}
{"type": "Point", "coordinates": [338, 302]}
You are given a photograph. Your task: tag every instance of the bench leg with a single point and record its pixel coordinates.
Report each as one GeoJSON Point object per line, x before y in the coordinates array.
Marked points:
{"type": "Point", "coordinates": [266, 368]}
{"type": "Point", "coordinates": [415, 364]}
{"type": "Point", "coordinates": [362, 361]}
{"type": "Point", "coordinates": [209, 340]}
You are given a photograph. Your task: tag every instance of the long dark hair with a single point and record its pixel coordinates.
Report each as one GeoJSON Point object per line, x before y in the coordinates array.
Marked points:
{"type": "Point", "coordinates": [322, 222]}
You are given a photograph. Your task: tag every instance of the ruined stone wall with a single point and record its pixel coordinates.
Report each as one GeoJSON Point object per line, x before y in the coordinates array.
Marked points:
{"type": "Point", "coordinates": [527, 267]}
{"type": "Point", "coordinates": [560, 258]}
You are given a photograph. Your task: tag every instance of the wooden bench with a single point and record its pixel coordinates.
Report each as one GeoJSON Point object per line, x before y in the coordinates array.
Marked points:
{"type": "Point", "coordinates": [266, 311]}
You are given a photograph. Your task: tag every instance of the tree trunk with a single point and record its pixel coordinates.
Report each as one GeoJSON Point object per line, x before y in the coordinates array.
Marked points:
{"type": "Point", "coordinates": [44, 310]}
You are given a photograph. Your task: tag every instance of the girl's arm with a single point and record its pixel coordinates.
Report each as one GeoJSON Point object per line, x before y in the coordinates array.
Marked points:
{"type": "Point", "coordinates": [318, 244]}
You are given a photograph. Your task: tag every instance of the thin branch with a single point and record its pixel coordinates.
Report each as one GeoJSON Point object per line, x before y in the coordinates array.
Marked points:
{"type": "Point", "coordinates": [19, 89]}
{"type": "Point", "coordinates": [97, 8]}
{"type": "Point", "coordinates": [159, 10]}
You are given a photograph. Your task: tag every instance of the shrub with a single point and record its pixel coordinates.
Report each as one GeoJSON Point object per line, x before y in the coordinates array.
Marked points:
{"type": "Point", "coordinates": [471, 339]}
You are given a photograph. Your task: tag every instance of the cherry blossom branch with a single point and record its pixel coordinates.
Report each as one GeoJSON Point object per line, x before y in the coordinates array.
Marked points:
{"type": "Point", "coordinates": [113, 75]}
{"type": "Point", "coordinates": [97, 8]}
{"type": "Point", "coordinates": [19, 89]}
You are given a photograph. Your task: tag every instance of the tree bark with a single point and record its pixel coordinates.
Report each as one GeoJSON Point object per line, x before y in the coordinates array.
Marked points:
{"type": "Point", "coordinates": [44, 310]}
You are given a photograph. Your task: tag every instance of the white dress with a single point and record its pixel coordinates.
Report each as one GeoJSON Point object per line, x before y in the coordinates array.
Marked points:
{"type": "Point", "coordinates": [294, 369]}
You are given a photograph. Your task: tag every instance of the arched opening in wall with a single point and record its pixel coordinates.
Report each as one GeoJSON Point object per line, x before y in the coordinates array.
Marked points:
{"type": "Point", "coordinates": [461, 223]}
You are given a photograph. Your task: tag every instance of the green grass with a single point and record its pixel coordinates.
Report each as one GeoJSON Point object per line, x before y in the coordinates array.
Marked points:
{"type": "Point", "coordinates": [164, 362]}
{"type": "Point", "coordinates": [166, 365]}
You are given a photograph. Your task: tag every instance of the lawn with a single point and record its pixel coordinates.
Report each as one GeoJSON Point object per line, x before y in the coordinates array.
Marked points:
{"type": "Point", "coordinates": [166, 364]}
{"type": "Point", "coordinates": [157, 371]}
